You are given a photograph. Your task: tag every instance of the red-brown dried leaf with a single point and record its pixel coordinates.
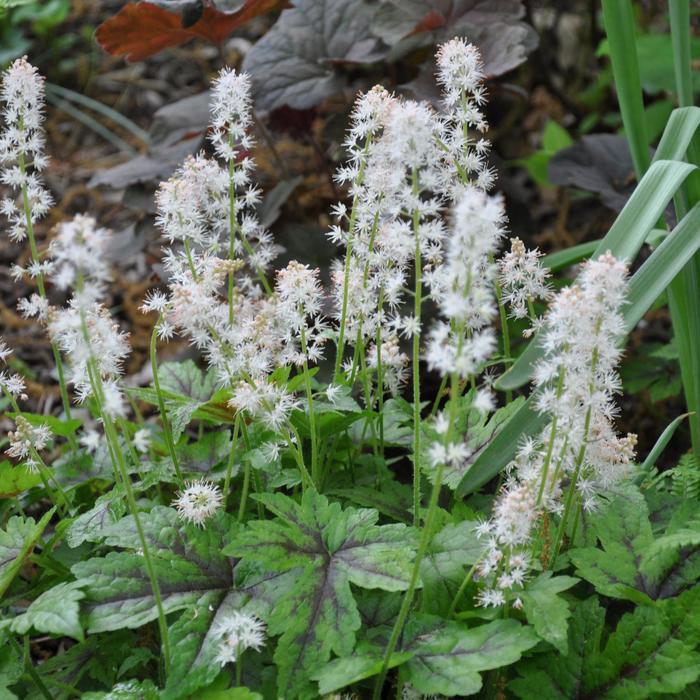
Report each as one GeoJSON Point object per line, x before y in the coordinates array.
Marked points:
{"type": "Point", "coordinates": [141, 29]}
{"type": "Point", "coordinates": [433, 20]}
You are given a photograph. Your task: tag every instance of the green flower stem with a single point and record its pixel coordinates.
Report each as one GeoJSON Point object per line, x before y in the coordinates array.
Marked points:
{"type": "Point", "coordinates": [231, 226]}
{"type": "Point", "coordinates": [315, 475]}
{"type": "Point", "coordinates": [572, 488]}
{"type": "Point", "coordinates": [295, 448]}
{"type": "Point", "coordinates": [505, 332]}
{"type": "Point", "coordinates": [42, 292]}
{"type": "Point", "coordinates": [161, 403]}
{"type": "Point", "coordinates": [190, 260]}
{"type": "Point", "coordinates": [380, 377]}
{"type": "Point", "coordinates": [239, 666]}
{"type": "Point", "coordinates": [62, 503]}
{"type": "Point", "coordinates": [462, 588]}
{"type": "Point", "coordinates": [552, 436]}
{"type": "Point", "coordinates": [29, 666]}
{"type": "Point", "coordinates": [244, 491]}
{"type": "Point", "coordinates": [231, 457]}
{"type": "Point", "coordinates": [410, 591]}
{"type": "Point", "coordinates": [348, 257]}
{"type": "Point", "coordinates": [359, 344]}
{"type": "Point", "coordinates": [417, 303]}
{"type": "Point", "coordinates": [123, 426]}
{"type": "Point", "coordinates": [438, 396]}
{"type": "Point", "coordinates": [579, 460]}
{"type": "Point", "coordinates": [120, 468]}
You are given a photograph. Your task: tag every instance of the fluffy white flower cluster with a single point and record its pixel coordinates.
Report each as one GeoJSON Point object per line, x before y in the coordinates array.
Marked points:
{"type": "Point", "coordinates": [407, 163]}
{"type": "Point", "coordinates": [523, 280]}
{"type": "Point", "coordinates": [83, 330]}
{"type": "Point", "coordinates": [578, 455]}
{"type": "Point", "coordinates": [22, 155]}
{"type": "Point", "coordinates": [461, 75]}
{"type": "Point", "coordinates": [78, 257]}
{"type": "Point", "coordinates": [205, 213]}
{"type": "Point", "coordinates": [95, 348]}
{"type": "Point", "coordinates": [463, 286]}
{"type": "Point", "coordinates": [27, 440]}
{"type": "Point", "coordinates": [231, 114]}
{"type": "Point", "coordinates": [12, 384]}
{"type": "Point", "coordinates": [237, 632]}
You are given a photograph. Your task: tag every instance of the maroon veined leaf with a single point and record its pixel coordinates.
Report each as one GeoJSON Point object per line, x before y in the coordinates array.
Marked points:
{"type": "Point", "coordinates": [495, 26]}
{"type": "Point", "coordinates": [142, 29]}
{"type": "Point", "coordinates": [299, 61]}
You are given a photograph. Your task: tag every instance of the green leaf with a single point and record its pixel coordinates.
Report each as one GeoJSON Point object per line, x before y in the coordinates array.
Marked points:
{"type": "Point", "coordinates": [660, 445]}
{"type": "Point", "coordinates": [225, 693]}
{"type": "Point", "coordinates": [479, 429]}
{"type": "Point", "coordinates": [128, 690]}
{"type": "Point", "coordinates": [16, 543]}
{"type": "Point", "coordinates": [546, 610]}
{"type": "Point", "coordinates": [438, 657]}
{"type": "Point", "coordinates": [452, 549]}
{"type": "Point", "coordinates": [327, 548]}
{"type": "Point", "coordinates": [188, 387]}
{"type": "Point", "coordinates": [555, 676]}
{"type": "Point", "coordinates": [561, 259]}
{"type": "Point", "coordinates": [661, 267]}
{"type": "Point", "coordinates": [194, 643]}
{"type": "Point", "coordinates": [340, 673]}
{"type": "Point", "coordinates": [624, 531]}
{"type": "Point", "coordinates": [11, 666]}
{"type": "Point", "coordinates": [448, 657]}
{"type": "Point", "coordinates": [619, 27]}
{"type": "Point", "coordinates": [651, 651]}
{"type": "Point", "coordinates": [656, 62]}
{"type": "Point", "coordinates": [502, 449]}
{"type": "Point", "coordinates": [187, 561]}
{"type": "Point", "coordinates": [633, 565]}
{"type": "Point", "coordinates": [15, 480]}
{"type": "Point", "coordinates": [90, 526]}
{"type": "Point", "coordinates": [55, 612]}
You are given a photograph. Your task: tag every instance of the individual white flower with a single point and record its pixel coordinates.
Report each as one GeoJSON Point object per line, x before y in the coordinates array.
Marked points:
{"type": "Point", "coordinates": [237, 632]}
{"type": "Point", "coordinates": [13, 384]}
{"type": "Point", "coordinates": [5, 351]}
{"type": "Point", "coordinates": [91, 440]}
{"type": "Point", "coordinates": [142, 440]}
{"type": "Point", "coordinates": [198, 501]}
{"type": "Point", "coordinates": [332, 392]}
{"type": "Point", "coordinates": [266, 400]}
{"type": "Point", "coordinates": [34, 306]}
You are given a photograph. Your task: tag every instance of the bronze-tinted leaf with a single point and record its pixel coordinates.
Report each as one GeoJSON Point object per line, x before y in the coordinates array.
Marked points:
{"type": "Point", "coordinates": [142, 29]}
